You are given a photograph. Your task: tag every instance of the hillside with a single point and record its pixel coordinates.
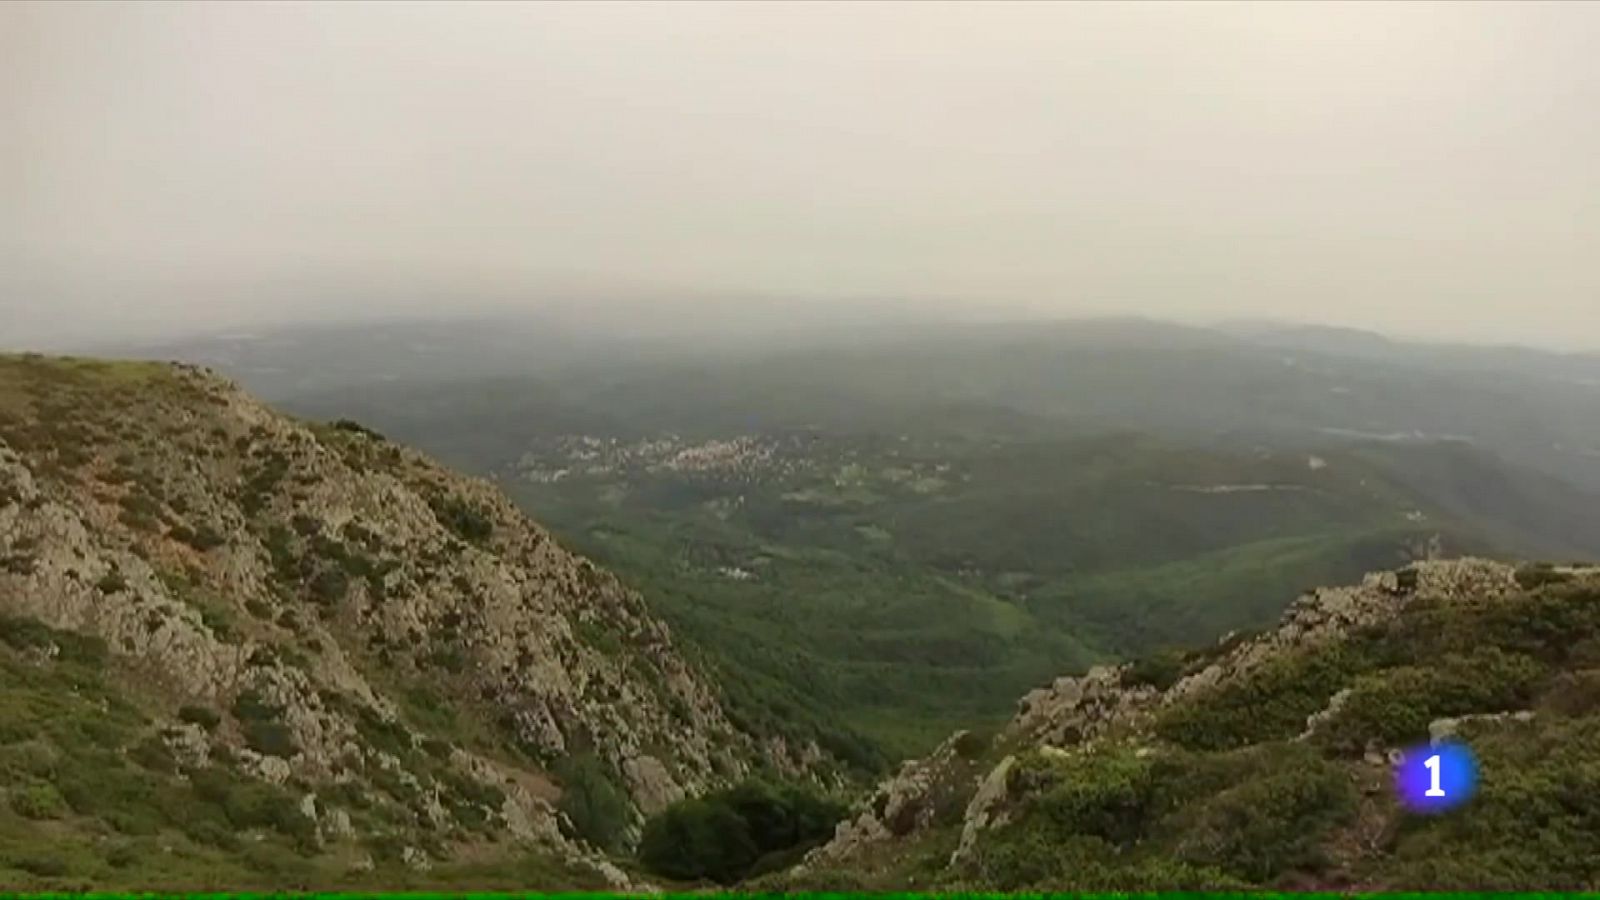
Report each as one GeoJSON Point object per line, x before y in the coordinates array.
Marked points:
{"type": "Point", "coordinates": [241, 650]}
{"type": "Point", "coordinates": [873, 543]}
{"type": "Point", "coordinates": [1266, 760]}
{"type": "Point", "coordinates": [883, 540]}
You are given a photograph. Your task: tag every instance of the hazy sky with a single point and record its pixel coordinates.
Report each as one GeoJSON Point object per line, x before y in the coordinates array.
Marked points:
{"type": "Point", "coordinates": [1427, 168]}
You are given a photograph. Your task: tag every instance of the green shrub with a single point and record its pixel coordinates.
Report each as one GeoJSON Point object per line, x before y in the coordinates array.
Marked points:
{"type": "Point", "coordinates": [451, 658]}
{"type": "Point", "coordinates": [249, 706]}
{"type": "Point", "coordinates": [1273, 824]}
{"type": "Point", "coordinates": [44, 864]}
{"type": "Point", "coordinates": [383, 734]}
{"type": "Point", "coordinates": [111, 582]}
{"type": "Point", "coordinates": [270, 739]}
{"type": "Point", "coordinates": [1534, 822]}
{"type": "Point", "coordinates": [153, 753]}
{"type": "Point", "coordinates": [261, 481]}
{"type": "Point", "coordinates": [199, 715]}
{"type": "Point", "coordinates": [970, 745]}
{"type": "Point", "coordinates": [1550, 624]}
{"type": "Point", "coordinates": [1022, 857]}
{"type": "Point", "coordinates": [781, 817]}
{"type": "Point", "coordinates": [139, 510]}
{"type": "Point", "coordinates": [38, 801]}
{"type": "Point", "coordinates": [1395, 706]}
{"type": "Point", "coordinates": [357, 428]}
{"type": "Point", "coordinates": [698, 839]}
{"type": "Point", "coordinates": [599, 812]}
{"type": "Point", "coordinates": [1270, 703]}
{"type": "Point", "coordinates": [246, 803]}
{"type": "Point", "coordinates": [1159, 670]}
{"type": "Point", "coordinates": [1406, 579]}
{"type": "Point", "coordinates": [1121, 819]}
{"type": "Point", "coordinates": [279, 543]}
{"type": "Point", "coordinates": [329, 586]}
{"type": "Point", "coordinates": [71, 647]}
{"type": "Point", "coordinates": [734, 833]}
{"type": "Point", "coordinates": [462, 518]}
{"type": "Point", "coordinates": [1103, 795]}
{"type": "Point", "coordinates": [1574, 694]}
{"type": "Point", "coordinates": [204, 538]}
{"type": "Point", "coordinates": [219, 619]}
{"type": "Point", "coordinates": [593, 634]}
{"type": "Point", "coordinates": [259, 720]}
{"type": "Point", "coordinates": [1536, 575]}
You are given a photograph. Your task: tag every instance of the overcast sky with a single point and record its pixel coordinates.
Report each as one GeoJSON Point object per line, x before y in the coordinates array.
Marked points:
{"type": "Point", "coordinates": [1427, 168]}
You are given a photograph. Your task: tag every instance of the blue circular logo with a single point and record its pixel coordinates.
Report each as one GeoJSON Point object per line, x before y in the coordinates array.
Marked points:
{"type": "Point", "coordinates": [1433, 779]}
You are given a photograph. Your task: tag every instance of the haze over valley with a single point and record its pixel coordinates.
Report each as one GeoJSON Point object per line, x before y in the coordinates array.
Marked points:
{"type": "Point", "coordinates": [799, 446]}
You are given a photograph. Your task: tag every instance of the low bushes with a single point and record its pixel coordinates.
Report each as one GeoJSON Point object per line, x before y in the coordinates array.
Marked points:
{"type": "Point", "coordinates": [1393, 707]}
{"type": "Point", "coordinates": [596, 807]}
{"type": "Point", "coordinates": [745, 830]}
{"type": "Point", "coordinates": [1270, 704]}
{"type": "Point", "coordinates": [462, 518]}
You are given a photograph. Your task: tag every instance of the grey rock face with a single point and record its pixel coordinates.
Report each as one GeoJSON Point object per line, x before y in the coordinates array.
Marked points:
{"type": "Point", "coordinates": [354, 595]}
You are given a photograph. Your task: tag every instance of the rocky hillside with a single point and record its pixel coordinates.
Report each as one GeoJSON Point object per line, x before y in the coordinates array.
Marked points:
{"type": "Point", "coordinates": [1266, 761]}
{"type": "Point", "coordinates": [239, 649]}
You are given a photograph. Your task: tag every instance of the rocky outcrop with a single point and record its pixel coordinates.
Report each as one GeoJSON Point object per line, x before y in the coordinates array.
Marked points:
{"type": "Point", "coordinates": [919, 794]}
{"type": "Point", "coordinates": [1080, 708]}
{"type": "Point", "coordinates": [1103, 706]}
{"type": "Point", "coordinates": [986, 809]}
{"type": "Point", "coordinates": [346, 609]}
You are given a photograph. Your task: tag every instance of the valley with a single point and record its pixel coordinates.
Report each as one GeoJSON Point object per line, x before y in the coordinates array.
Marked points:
{"type": "Point", "coordinates": [381, 672]}
{"type": "Point", "coordinates": [816, 449]}
{"type": "Point", "coordinates": [881, 541]}
{"type": "Point", "coordinates": [911, 586]}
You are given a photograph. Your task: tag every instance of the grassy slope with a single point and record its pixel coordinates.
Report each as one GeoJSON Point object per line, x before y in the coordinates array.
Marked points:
{"type": "Point", "coordinates": [94, 798]}
{"type": "Point", "coordinates": [1137, 609]}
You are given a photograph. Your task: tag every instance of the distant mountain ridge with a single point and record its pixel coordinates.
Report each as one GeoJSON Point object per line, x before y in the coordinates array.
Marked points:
{"type": "Point", "coordinates": [1274, 384]}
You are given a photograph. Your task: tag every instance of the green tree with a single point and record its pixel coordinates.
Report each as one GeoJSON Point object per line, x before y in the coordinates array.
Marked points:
{"type": "Point", "coordinates": [725, 836]}
{"type": "Point", "coordinates": [598, 811]}
{"type": "Point", "coordinates": [698, 839]}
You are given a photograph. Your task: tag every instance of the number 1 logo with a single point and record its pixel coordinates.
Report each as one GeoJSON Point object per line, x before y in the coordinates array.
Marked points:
{"type": "Point", "coordinates": [1434, 790]}
{"type": "Point", "coordinates": [1432, 779]}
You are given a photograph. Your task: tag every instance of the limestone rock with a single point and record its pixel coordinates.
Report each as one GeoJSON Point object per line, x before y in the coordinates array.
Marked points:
{"type": "Point", "coordinates": [651, 784]}
{"type": "Point", "coordinates": [985, 810]}
{"type": "Point", "coordinates": [330, 598]}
